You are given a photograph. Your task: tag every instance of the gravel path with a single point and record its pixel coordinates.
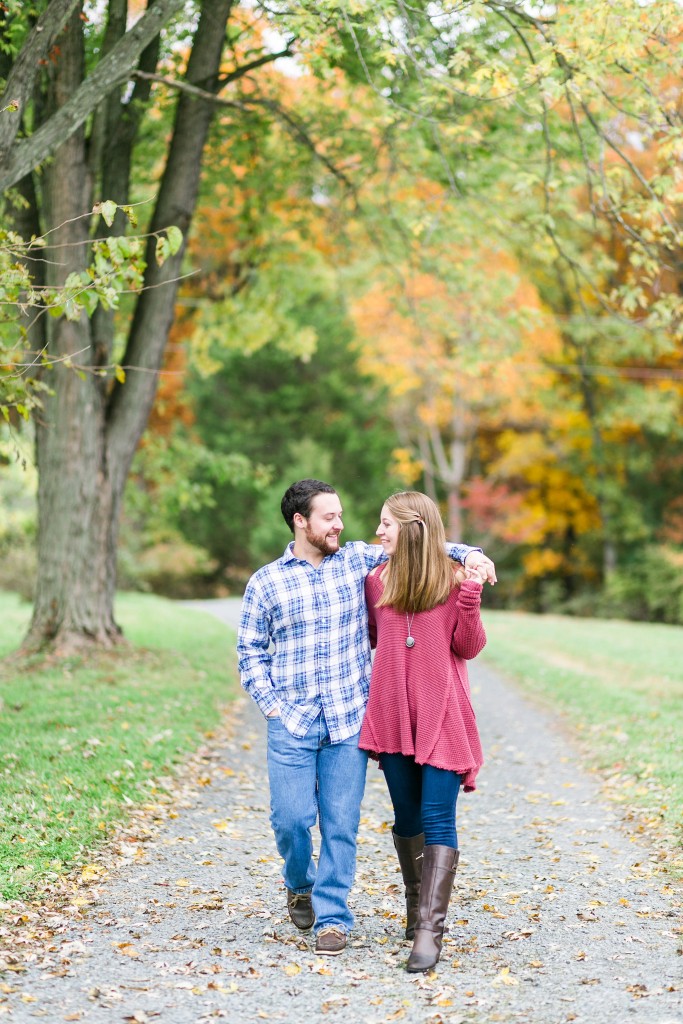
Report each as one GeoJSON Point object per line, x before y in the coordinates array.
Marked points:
{"type": "Point", "coordinates": [558, 914]}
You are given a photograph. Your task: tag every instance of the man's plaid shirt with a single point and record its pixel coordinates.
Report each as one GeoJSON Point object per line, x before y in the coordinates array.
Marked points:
{"type": "Point", "coordinates": [317, 621]}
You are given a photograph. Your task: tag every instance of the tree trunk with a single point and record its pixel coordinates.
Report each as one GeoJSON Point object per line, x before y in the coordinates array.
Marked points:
{"type": "Point", "coordinates": [88, 436]}
{"type": "Point", "coordinates": [73, 493]}
{"type": "Point", "coordinates": [451, 463]}
{"type": "Point", "coordinates": [609, 547]}
{"type": "Point", "coordinates": [427, 467]}
{"type": "Point", "coordinates": [454, 524]}
{"type": "Point", "coordinates": [609, 558]}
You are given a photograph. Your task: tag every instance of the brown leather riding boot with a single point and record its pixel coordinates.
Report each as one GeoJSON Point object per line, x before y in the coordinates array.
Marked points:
{"type": "Point", "coordinates": [409, 851]}
{"type": "Point", "coordinates": [439, 864]}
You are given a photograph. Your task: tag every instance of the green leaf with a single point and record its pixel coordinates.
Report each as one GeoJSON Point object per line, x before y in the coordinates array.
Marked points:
{"type": "Point", "coordinates": [120, 374]}
{"type": "Point", "coordinates": [131, 215]}
{"type": "Point", "coordinates": [90, 300]}
{"type": "Point", "coordinates": [108, 211]}
{"type": "Point", "coordinates": [175, 238]}
{"type": "Point", "coordinates": [162, 251]}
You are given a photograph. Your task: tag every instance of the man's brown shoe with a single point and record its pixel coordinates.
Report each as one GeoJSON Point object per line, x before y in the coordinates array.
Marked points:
{"type": "Point", "coordinates": [300, 907]}
{"type": "Point", "coordinates": [330, 941]}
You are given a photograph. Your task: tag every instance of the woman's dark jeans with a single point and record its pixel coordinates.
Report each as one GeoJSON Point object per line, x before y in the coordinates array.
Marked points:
{"type": "Point", "coordinates": [424, 799]}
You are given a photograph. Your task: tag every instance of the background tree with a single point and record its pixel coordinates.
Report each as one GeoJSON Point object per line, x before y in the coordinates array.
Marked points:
{"type": "Point", "coordinates": [594, 226]}
{"type": "Point", "coordinates": [272, 374]}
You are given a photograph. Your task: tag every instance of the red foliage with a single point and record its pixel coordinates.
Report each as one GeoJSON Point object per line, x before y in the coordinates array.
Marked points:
{"type": "Point", "coordinates": [489, 504]}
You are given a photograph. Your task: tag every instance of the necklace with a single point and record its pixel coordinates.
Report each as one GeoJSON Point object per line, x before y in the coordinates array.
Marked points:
{"type": "Point", "coordinates": [410, 641]}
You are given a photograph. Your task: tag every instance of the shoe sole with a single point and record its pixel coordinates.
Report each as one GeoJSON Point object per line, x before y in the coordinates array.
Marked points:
{"type": "Point", "coordinates": [329, 952]}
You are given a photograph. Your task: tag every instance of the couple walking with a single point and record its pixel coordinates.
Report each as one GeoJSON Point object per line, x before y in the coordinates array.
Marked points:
{"type": "Point", "coordinates": [308, 622]}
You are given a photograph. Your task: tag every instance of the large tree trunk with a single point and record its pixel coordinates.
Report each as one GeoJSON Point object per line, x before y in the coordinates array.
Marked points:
{"type": "Point", "coordinates": [70, 444]}
{"type": "Point", "coordinates": [88, 436]}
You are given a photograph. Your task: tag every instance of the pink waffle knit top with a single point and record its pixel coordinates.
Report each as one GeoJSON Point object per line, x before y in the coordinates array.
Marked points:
{"type": "Point", "coordinates": [419, 700]}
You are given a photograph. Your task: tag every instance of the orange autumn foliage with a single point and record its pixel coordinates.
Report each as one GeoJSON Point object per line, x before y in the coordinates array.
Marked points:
{"type": "Point", "coordinates": [171, 405]}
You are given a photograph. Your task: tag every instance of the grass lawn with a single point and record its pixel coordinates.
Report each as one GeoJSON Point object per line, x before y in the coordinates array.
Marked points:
{"type": "Point", "coordinates": [621, 686]}
{"type": "Point", "coordinates": [80, 741]}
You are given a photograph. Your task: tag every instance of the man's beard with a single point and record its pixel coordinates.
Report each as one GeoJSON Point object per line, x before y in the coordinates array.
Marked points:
{"type": "Point", "coordinates": [325, 543]}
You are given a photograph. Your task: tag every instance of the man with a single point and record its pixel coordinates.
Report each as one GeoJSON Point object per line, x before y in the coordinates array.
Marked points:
{"type": "Point", "coordinates": [312, 686]}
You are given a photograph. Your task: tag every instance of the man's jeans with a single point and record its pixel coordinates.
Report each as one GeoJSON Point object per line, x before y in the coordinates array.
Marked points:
{"type": "Point", "coordinates": [311, 777]}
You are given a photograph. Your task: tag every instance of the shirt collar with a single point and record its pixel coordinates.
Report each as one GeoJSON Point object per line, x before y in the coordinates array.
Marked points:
{"type": "Point", "coordinates": [289, 556]}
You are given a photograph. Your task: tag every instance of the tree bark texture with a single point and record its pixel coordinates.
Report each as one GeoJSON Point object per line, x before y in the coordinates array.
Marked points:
{"type": "Point", "coordinates": [88, 434]}
{"type": "Point", "coordinates": [21, 80]}
{"type": "Point", "coordinates": [70, 443]}
{"type": "Point", "coordinates": [112, 71]}
{"type": "Point", "coordinates": [449, 460]}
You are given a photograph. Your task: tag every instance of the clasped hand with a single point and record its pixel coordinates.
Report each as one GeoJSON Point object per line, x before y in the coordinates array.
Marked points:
{"type": "Point", "coordinates": [480, 568]}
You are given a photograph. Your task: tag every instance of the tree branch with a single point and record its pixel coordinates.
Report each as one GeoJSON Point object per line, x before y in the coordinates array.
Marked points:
{"type": "Point", "coordinates": [267, 58]}
{"type": "Point", "coordinates": [130, 404]}
{"type": "Point", "coordinates": [246, 106]}
{"type": "Point", "coordinates": [111, 71]}
{"type": "Point", "coordinates": [26, 66]}
{"type": "Point", "coordinates": [519, 12]}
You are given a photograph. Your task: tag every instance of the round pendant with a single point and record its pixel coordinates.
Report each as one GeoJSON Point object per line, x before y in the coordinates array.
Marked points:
{"type": "Point", "coordinates": [410, 642]}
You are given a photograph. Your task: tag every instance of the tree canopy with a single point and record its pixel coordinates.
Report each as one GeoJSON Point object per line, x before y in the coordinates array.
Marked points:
{"type": "Point", "coordinates": [479, 200]}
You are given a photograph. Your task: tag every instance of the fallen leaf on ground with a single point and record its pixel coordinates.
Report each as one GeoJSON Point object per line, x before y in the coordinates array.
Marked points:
{"type": "Point", "coordinates": [126, 949]}
{"type": "Point", "coordinates": [505, 978]}
{"type": "Point", "coordinates": [90, 872]}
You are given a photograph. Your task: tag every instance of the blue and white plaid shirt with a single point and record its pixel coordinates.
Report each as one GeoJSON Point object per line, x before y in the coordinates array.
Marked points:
{"type": "Point", "coordinates": [317, 621]}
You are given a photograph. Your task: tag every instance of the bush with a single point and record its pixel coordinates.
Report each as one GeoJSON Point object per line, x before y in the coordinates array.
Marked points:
{"type": "Point", "coordinates": [171, 568]}
{"type": "Point", "coordinates": [650, 590]}
{"type": "Point", "coordinates": [18, 570]}
{"type": "Point", "coordinates": [17, 517]}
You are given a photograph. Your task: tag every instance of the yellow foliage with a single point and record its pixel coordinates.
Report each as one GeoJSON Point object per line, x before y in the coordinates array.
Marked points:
{"type": "Point", "coordinates": [405, 466]}
{"type": "Point", "coordinates": [541, 561]}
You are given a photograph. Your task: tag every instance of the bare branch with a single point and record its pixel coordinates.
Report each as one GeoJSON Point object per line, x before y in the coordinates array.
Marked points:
{"type": "Point", "coordinates": [246, 105]}
{"type": "Point", "coordinates": [635, 171]}
{"type": "Point", "coordinates": [267, 58]}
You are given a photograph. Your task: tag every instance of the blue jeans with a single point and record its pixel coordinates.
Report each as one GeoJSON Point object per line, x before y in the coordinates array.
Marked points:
{"type": "Point", "coordinates": [312, 778]}
{"type": "Point", "coordinates": [424, 799]}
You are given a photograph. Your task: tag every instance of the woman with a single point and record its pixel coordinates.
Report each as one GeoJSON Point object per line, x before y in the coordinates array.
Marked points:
{"type": "Point", "coordinates": [424, 622]}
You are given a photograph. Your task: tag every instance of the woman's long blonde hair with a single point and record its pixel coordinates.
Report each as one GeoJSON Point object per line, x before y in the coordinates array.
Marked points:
{"type": "Point", "coordinates": [419, 574]}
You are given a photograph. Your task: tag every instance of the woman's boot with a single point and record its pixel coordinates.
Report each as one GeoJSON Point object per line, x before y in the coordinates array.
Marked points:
{"type": "Point", "coordinates": [439, 864]}
{"type": "Point", "coordinates": [409, 852]}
